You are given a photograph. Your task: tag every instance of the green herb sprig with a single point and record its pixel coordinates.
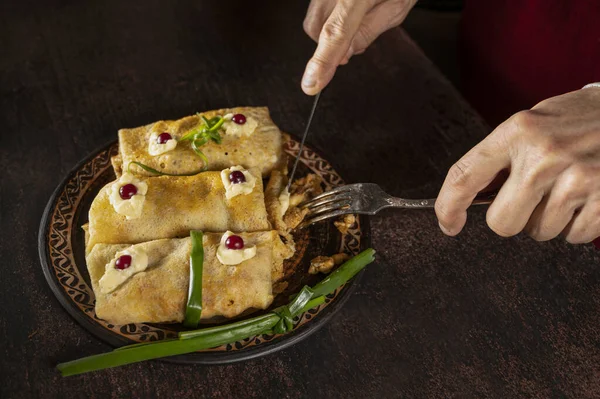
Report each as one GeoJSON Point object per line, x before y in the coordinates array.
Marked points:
{"type": "Point", "coordinates": [279, 321]}
{"type": "Point", "coordinates": [207, 131]}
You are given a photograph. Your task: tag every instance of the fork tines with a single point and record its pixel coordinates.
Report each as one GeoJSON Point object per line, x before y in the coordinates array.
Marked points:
{"type": "Point", "coordinates": [330, 195]}
{"type": "Point", "coordinates": [333, 203]}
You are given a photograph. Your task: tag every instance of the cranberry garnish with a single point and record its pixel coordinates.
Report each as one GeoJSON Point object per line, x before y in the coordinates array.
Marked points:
{"type": "Point", "coordinates": [127, 191]}
{"type": "Point", "coordinates": [240, 119]}
{"type": "Point", "coordinates": [163, 138]}
{"type": "Point", "coordinates": [123, 262]}
{"type": "Point", "coordinates": [234, 242]}
{"type": "Point", "coordinates": [237, 177]}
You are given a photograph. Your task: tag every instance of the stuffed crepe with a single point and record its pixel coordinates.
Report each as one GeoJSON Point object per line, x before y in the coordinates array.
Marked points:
{"type": "Point", "coordinates": [257, 143]}
{"type": "Point", "coordinates": [169, 207]}
{"type": "Point", "coordinates": [158, 294]}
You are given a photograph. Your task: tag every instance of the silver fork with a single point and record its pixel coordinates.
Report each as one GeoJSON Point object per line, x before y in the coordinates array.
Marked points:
{"type": "Point", "coordinates": [366, 199]}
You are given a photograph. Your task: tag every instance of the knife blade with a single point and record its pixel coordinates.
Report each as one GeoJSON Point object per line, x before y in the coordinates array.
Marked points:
{"type": "Point", "coordinates": [310, 117]}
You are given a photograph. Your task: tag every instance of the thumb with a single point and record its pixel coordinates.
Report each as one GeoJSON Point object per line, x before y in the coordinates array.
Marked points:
{"type": "Point", "coordinates": [334, 42]}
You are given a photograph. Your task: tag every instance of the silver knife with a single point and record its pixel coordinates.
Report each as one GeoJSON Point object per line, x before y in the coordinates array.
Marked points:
{"type": "Point", "coordinates": [312, 113]}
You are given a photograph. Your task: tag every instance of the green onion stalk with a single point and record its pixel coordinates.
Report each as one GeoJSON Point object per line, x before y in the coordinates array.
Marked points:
{"type": "Point", "coordinates": [193, 309]}
{"type": "Point", "coordinates": [208, 130]}
{"type": "Point", "coordinates": [280, 321]}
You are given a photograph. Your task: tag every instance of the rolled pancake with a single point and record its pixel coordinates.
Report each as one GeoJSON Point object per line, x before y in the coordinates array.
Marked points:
{"type": "Point", "coordinates": [261, 150]}
{"type": "Point", "coordinates": [175, 205]}
{"type": "Point", "coordinates": [159, 294]}
{"type": "Point", "coordinates": [117, 164]}
{"type": "Point", "coordinates": [275, 186]}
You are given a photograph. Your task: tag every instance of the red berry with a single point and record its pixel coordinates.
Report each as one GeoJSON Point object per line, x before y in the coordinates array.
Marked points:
{"type": "Point", "coordinates": [234, 242]}
{"type": "Point", "coordinates": [127, 191]}
{"type": "Point", "coordinates": [163, 138]}
{"type": "Point", "coordinates": [123, 262]}
{"type": "Point", "coordinates": [240, 119]}
{"type": "Point", "coordinates": [237, 177]}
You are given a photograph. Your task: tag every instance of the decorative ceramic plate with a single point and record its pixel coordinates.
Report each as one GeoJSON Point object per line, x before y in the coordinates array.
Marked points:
{"type": "Point", "coordinates": [62, 254]}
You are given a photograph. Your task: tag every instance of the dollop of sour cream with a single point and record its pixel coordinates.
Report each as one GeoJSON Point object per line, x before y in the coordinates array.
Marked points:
{"type": "Point", "coordinates": [234, 256]}
{"type": "Point", "coordinates": [233, 129]}
{"type": "Point", "coordinates": [114, 277]}
{"type": "Point", "coordinates": [235, 189]}
{"type": "Point", "coordinates": [155, 148]}
{"type": "Point", "coordinates": [284, 200]}
{"type": "Point", "coordinates": [131, 208]}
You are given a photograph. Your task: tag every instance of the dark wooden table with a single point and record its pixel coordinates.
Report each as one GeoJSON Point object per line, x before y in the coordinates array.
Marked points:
{"type": "Point", "coordinates": [470, 316]}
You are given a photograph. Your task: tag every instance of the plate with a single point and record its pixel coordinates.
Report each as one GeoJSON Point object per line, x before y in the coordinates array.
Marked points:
{"type": "Point", "coordinates": [62, 256]}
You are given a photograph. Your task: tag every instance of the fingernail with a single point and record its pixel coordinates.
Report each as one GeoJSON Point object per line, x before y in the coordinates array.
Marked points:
{"type": "Point", "coordinates": [309, 80]}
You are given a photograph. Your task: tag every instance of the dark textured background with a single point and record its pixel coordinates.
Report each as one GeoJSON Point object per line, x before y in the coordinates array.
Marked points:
{"type": "Point", "coordinates": [470, 316]}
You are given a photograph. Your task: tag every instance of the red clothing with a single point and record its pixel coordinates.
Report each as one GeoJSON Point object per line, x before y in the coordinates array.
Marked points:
{"type": "Point", "coordinates": [516, 53]}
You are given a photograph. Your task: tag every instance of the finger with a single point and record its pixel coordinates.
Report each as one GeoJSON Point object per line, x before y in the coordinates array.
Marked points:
{"type": "Point", "coordinates": [513, 206]}
{"type": "Point", "coordinates": [334, 41]}
{"type": "Point", "coordinates": [497, 182]}
{"type": "Point", "coordinates": [549, 219]}
{"type": "Point", "coordinates": [316, 15]}
{"type": "Point", "coordinates": [585, 225]}
{"type": "Point", "coordinates": [472, 173]}
{"type": "Point", "coordinates": [557, 208]}
{"type": "Point", "coordinates": [347, 57]}
{"type": "Point", "coordinates": [381, 18]}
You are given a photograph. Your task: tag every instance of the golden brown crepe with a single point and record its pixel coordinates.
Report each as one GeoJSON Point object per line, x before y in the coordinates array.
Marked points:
{"type": "Point", "coordinates": [175, 205]}
{"type": "Point", "coordinates": [261, 150]}
{"type": "Point", "coordinates": [273, 190]}
{"type": "Point", "coordinates": [117, 164]}
{"type": "Point", "coordinates": [159, 294]}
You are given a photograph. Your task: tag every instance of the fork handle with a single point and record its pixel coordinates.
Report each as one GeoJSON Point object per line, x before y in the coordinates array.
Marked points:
{"type": "Point", "coordinates": [480, 199]}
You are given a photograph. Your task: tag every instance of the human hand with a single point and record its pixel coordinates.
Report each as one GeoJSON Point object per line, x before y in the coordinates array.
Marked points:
{"type": "Point", "coordinates": [552, 153]}
{"type": "Point", "coordinates": [343, 28]}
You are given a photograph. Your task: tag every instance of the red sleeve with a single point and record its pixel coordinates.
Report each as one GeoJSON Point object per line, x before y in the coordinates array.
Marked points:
{"type": "Point", "coordinates": [516, 53]}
